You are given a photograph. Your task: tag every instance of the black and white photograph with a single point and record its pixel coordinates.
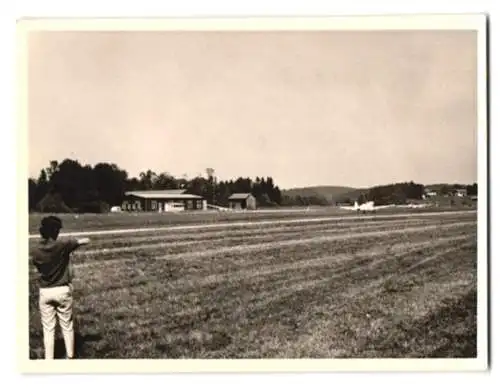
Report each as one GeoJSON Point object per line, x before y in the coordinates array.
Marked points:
{"type": "Point", "coordinates": [299, 189]}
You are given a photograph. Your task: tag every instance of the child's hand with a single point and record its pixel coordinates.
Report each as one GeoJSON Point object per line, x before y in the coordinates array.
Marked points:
{"type": "Point", "coordinates": [83, 241]}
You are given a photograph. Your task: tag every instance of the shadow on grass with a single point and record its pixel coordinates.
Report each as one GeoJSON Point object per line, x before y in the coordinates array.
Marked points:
{"type": "Point", "coordinates": [449, 332]}
{"type": "Point", "coordinates": [458, 345]}
{"type": "Point", "coordinates": [81, 344]}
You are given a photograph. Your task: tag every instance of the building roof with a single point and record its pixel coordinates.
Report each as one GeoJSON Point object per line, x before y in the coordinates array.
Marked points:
{"type": "Point", "coordinates": [240, 196]}
{"type": "Point", "coordinates": [174, 191]}
{"type": "Point", "coordinates": [162, 194]}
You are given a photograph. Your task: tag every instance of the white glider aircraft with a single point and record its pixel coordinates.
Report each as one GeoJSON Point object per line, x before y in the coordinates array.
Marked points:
{"type": "Point", "coordinates": [365, 207]}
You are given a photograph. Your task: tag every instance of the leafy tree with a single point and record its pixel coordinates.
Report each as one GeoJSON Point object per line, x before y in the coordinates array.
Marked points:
{"type": "Point", "coordinates": [165, 181]}
{"type": "Point", "coordinates": [110, 183]}
{"type": "Point", "coordinates": [472, 189]}
{"type": "Point", "coordinates": [146, 180]}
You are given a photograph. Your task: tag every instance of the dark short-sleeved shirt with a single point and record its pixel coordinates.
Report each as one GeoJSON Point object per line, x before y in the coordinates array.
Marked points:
{"type": "Point", "coordinates": [52, 260]}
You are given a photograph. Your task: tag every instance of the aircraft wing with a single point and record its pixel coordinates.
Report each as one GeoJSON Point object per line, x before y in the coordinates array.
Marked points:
{"type": "Point", "coordinates": [347, 208]}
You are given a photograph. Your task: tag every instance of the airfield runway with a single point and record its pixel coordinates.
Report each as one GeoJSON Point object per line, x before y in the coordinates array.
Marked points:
{"type": "Point", "coordinates": [86, 232]}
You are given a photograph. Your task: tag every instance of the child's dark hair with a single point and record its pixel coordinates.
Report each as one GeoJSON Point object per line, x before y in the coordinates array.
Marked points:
{"type": "Point", "coordinates": [50, 227]}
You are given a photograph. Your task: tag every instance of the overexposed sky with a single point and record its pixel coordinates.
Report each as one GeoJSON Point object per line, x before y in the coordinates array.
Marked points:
{"type": "Point", "coordinates": [307, 108]}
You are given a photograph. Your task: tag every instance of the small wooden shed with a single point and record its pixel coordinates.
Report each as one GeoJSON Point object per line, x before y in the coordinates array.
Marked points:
{"type": "Point", "coordinates": [242, 201]}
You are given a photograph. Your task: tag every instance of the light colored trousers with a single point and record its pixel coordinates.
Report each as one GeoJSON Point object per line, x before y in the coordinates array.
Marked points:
{"type": "Point", "coordinates": [57, 302]}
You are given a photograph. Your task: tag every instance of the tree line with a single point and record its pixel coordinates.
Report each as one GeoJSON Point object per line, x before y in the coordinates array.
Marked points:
{"type": "Point", "coordinates": [401, 193]}
{"type": "Point", "coordinates": [398, 193]}
{"type": "Point", "coordinates": [69, 186]}
{"type": "Point", "coordinates": [449, 189]}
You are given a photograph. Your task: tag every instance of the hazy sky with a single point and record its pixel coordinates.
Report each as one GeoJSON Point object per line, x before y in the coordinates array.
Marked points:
{"type": "Point", "coordinates": [307, 108]}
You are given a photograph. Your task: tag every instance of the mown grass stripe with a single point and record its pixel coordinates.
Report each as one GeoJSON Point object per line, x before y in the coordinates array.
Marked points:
{"type": "Point", "coordinates": [305, 241]}
{"type": "Point", "coordinates": [247, 231]}
{"type": "Point", "coordinates": [337, 261]}
{"type": "Point", "coordinates": [253, 223]}
{"type": "Point", "coordinates": [225, 239]}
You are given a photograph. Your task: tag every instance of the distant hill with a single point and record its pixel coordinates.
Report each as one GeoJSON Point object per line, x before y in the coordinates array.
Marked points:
{"type": "Point", "coordinates": [438, 186]}
{"type": "Point", "coordinates": [330, 193]}
{"type": "Point", "coordinates": [333, 194]}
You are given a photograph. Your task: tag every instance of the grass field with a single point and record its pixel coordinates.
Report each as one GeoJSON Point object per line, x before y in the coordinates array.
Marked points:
{"type": "Point", "coordinates": [78, 222]}
{"type": "Point", "coordinates": [381, 286]}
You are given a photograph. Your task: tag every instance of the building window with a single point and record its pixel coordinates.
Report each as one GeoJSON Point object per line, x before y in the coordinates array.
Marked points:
{"type": "Point", "coordinates": [153, 205]}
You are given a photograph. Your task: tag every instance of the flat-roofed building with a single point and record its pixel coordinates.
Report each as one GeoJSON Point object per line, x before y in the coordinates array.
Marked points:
{"type": "Point", "coordinates": [162, 201]}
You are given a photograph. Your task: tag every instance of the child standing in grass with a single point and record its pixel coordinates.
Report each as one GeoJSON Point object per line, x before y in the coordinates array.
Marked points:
{"type": "Point", "coordinates": [51, 257]}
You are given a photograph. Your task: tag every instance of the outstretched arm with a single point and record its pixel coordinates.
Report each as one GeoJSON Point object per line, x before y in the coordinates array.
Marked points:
{"type": "Point", "coordinates": [74, 243]}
